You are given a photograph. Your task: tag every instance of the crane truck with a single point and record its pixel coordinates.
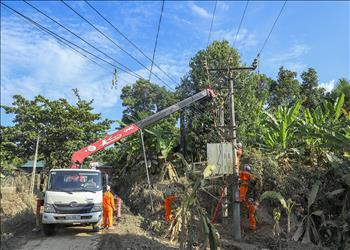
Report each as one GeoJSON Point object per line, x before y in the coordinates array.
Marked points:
{"type": "Point", "coordinates": [74, 195]}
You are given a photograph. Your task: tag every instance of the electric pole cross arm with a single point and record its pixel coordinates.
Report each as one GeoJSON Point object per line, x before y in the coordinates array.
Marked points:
{"type": "Point", "coordinates": [79, 156]}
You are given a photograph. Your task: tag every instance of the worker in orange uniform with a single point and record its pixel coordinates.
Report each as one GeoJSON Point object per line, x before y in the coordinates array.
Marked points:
{"type": "Point", "coordinates": [245, 178]}
{"type": "Point", "coordinates": [239, 153]}
{"type": "Point", "coordinates": [167, 206]}
{"type": "Point", "coordinates": [251, 205]}
{"type": "Point", "coordinates": [108, 207]}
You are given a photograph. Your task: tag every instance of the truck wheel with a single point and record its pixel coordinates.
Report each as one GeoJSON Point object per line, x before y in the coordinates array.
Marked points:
{"type": "Point", "coordinates": [48, 229]}
{"type": "Point", "coordinates": [96, 227]}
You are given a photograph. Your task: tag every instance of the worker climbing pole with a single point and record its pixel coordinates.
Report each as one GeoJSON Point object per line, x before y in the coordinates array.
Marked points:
{"type": "Point", "coordinates": [245, 178]}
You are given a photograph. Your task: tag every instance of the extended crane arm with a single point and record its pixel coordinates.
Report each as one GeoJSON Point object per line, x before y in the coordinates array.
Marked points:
{"type": "Point", "coordinates": [78, 157]}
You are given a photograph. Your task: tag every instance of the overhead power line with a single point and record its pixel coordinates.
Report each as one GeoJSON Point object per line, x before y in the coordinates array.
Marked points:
{"type": "Point", "coordinates": [273, 26]}
{"type": "Point", "coordinates": [111, 40]}
{"type": "Point", "coordinates": [67, 42]}
{"type": "Point", "coordinates": [240, 23]}
{"type": "Point", "coordinates": [131, 42]}
{"type": "Point", "coordinates": [156, 41]}
{"type": "Point", "coordinates": [211, 23]}
{"type": "Point", "coordinates": [43, 29]}
{"type": "Point", "coordinates": [71, 44]}
{"type": "Point", "coordinates": [79, 37]}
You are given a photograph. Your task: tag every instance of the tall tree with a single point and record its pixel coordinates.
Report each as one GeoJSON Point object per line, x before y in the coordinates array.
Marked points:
{"type": "Point", "coordinates": [8, 151]}
{"type": "Point", "coordinates": [63, 128]}
{"type": "Point", "coordinates": [144, 99]}
{"type": "Point", "coordinates": [311, 93]}
{"type": "Point", "coordinates": [199, 121]}
{"type": "Point", "coordinates": [342, 87]}
{"type": "Point", "coordinates": [141, 100]}
{"type": "Point", "coordinates": [285, 90]}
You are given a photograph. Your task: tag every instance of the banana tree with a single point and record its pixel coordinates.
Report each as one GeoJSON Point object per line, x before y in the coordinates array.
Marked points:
{"type": "Point", "coordinates": [190, 211]}
{"type": "Point", "coordinates": [279, 129]}
{"type": "Point", "coordinates": [325, 126]}
{"type": "Point", "coordinates": [306, 229]}
{"type": "Point", "coordinates": [287, 205]}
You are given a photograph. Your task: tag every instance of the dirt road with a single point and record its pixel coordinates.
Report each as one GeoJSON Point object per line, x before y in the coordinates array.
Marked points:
{"type": "Point", "coordinates": [128, 234]}
{"type": "Point", "coordinates": [65, 238]}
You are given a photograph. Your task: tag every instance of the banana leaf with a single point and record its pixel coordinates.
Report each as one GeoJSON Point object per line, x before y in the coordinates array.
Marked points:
{"type": "Point", "coordinates": [274, 195]}
{"type": "Point", "coordinates": [338, 106]}
{"type": "Point", "coordinates": [212, 237]}
{"type": "Point", "coordinates": [312, 196]}
{"type": "Point", "coordinates": [300, 231]}
{"type": "Point", "coordinates": [335, 193]}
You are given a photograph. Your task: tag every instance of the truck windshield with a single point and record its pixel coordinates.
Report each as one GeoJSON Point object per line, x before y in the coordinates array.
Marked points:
{"type": "Point", "coordinates": [75, 181]}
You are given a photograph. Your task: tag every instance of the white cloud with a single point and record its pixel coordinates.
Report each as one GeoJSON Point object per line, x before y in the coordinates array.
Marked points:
{"type": "Point", "coordinates": [33, 64]}
{"type": "Point", "coordinates": [295, 66]}
{"type": "Point", "coordinates": [224, 6]}
{"type": "Point", "coordinates": [291, 59]}
{"type": "Point", "coordinates": [244, 40]}
{"type": "Point", "coordinates": [200, 11]}
{"type": "Point", "coordinates": [179, 20]}
{"type": "Point", "coordinates": [294, 52]}
{"type": "Point", "coordinates": [328, 86]}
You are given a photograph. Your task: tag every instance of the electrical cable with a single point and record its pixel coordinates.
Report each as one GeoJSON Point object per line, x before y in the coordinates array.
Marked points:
{"type": "Point", "coordinates": [111, 40]}
{"type": "Point", "coordinates": [47, 31]}
{"type": "Point", "coordinates": [273, 26]}
{"type": "Point", "coordinates": [131, 42]}
{"type": "Point", "coordinates": [135, 46]}
{"type": "Point", "coordinates": [79, 37]}
{"type": "Point", "coordinates": [240, 23]}
{"type": "Point", "coordinates": [60, 38]}
{"type": "Point", "coordinates": [156, 42]}
{"type": "Point", "coordinates": [211, 24]}
{"type": "Point", "coordinates": [67, 42]}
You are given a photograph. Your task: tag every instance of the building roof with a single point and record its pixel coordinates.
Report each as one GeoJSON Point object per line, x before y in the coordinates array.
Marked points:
{"type": "Point", "coordinates": [29, 164]}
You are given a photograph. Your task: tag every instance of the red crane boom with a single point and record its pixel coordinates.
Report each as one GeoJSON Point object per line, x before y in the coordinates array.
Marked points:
{"type": "Point", "coordinates": [79, 156]}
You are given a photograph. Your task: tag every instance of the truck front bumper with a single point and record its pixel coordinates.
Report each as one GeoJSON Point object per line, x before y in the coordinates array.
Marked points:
{"type": "Point", "coordinates": [53, 218]}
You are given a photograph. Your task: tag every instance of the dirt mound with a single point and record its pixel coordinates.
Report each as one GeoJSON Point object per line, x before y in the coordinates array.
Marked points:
{"type": "Point", "coordinates": [17, 210]}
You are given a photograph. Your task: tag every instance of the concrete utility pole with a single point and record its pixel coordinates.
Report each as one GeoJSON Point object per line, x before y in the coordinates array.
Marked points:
{"type": "Point", "coordinates": [236, 212]}
{"type": "Point", "coordinates": [225, 202]}
{"type": "Point", "coordinates": [34, 165]}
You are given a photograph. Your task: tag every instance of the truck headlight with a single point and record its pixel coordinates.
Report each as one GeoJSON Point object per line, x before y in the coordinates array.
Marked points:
{"type": "Point", "coordinates": [97, 207]}
{"type": "Point", "coordinates": [49, 208]}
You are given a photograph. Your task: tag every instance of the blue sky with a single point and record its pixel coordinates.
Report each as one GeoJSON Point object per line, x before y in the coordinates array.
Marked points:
{"type": "Point", "coordinates": [308, 34]}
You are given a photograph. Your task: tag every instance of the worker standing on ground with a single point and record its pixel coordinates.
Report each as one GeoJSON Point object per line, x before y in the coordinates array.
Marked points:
{"type": "Point", "coordinates": [252, 206]}
{"type": "Point", "coordinates": [167, 206]}
{"type": "Point", "coordinates": [108, 208]}
{"type": "Point", "coordinates": [245, 178]}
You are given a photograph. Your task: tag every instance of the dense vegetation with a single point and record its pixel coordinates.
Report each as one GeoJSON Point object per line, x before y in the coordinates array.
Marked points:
{"type": "Point", "coordinates": [296, 135]}
{"type": "Point", "coordinates": [62, 128]}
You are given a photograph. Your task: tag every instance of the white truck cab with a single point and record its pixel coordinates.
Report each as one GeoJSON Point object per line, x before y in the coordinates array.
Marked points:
{"type": "Point", "coordinates": [73, 196]}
